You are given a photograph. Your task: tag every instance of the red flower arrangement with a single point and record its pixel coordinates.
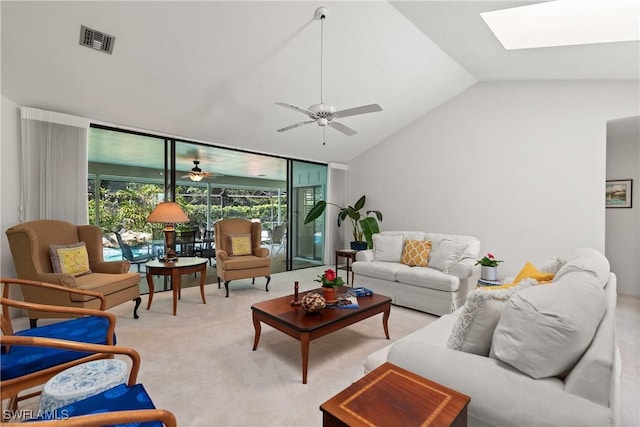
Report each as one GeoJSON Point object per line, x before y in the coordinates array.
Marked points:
{"type": "Point", "coordinates": [330, 279]}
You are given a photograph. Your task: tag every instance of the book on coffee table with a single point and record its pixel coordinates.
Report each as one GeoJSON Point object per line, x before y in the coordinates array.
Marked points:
{"type": "Point", "coordinates": [347, 301]}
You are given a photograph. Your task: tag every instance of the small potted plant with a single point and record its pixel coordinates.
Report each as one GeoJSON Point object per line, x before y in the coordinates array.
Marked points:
{"type": "Point", "coordinates": [489, 266]}
{"type": "Point", "coordinates": [330, 282]}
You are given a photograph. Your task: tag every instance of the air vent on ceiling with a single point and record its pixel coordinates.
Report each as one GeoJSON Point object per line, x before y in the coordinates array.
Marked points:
{"type": "Point", "coordinates": [96, 40]}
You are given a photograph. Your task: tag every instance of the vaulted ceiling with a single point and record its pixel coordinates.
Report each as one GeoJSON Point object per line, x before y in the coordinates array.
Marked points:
{"type": "Point", "coordinates": [211, 71]}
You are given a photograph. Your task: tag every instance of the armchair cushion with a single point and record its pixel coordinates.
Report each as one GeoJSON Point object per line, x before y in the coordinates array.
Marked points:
{"type": "Point", "coordinates": [22, 360]}
{"type": "Point", "coordinates": [70, 259]}
{"type": "Point", "coordinates": [118, 398]}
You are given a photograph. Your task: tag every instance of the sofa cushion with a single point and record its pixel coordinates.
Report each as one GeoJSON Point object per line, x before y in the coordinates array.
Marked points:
{"type": "Point", "coordinates": [410, 235]}
{"type": "Point", "coordinates": [387, 247]}
{"type": "Point", "coordinates": [380, 270]}
{"type": "Point", "coordinates": [426, 277]}
{"type": "Point", "coordinates": [552, 265]}
{"type": "Point", "coordinates": [543, 330]}
{"type": "Point", "coordinates": [21, 360]}
{"type": "Point", "coordinates": [589, 261]}
{"type": "Point", "coordinates": [445, 254]}
{"type": "Point", "coordinates": [472, 245]}
{"type": "Point", "coordinates": [529, 271]}
{"type": "Point", "coordinates": [474, 328]}
{"type": "Point", "coordinates": [416, 253]}
{"type": "Point", "coordinates": [70, 259]}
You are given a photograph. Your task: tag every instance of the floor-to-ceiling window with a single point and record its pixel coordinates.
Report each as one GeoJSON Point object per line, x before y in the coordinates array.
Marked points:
{"type": "Point", "coordinates": [130, 172]}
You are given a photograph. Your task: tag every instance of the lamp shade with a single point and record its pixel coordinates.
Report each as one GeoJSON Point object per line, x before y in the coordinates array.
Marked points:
{"type": "Point", "coordinates": [168, 212]}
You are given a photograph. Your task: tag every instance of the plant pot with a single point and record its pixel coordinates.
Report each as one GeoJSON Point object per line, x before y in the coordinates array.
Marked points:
{"type": "Point", "coordinates": [359, 246]}
{"type": "Point", "coordinates": [489, 273]}
{"type": "Point", "coordinates": [330, 294]}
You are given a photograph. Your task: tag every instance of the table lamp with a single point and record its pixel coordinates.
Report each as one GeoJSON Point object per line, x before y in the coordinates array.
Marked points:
{"type": "Point", "coordinates": [168, 213]}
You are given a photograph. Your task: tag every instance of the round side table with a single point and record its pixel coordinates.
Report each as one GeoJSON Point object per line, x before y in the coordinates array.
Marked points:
{"type": "Point", "coordinates": [82, 381]}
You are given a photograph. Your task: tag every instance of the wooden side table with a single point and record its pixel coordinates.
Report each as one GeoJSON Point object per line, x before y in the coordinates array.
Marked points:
{"type": "Point", "coordinates": [182, 265]}
{"type": "Point", "coordinates": [391, 396]}
{"type": "Point", "coordinates": [350, 255]}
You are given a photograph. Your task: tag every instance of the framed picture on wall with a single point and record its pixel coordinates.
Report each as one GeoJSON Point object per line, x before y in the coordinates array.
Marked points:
{"type": "Point", "coordinates": [618, 193]}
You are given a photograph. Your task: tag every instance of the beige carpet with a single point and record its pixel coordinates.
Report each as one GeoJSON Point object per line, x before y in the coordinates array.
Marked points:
{"type": "Point", "coordinates": [199, 364]}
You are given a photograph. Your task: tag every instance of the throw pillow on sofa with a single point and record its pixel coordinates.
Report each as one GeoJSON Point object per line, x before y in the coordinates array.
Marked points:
{"type": "Point", "coordinates": [446, 254]}
{"type": "Point", "coordinates": [387, 247]}
{"type": "Point", "coordinates": [529, 271]}
{"type": "Point", "coordinates": [543, 330]}
{"type": "Point", "coordinates": [415, 253]}
{"type": "Point", "coordinates": [473, 330]}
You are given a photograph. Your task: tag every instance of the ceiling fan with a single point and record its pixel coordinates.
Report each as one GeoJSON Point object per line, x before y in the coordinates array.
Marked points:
{"type": "Point", "coordinates": [324, 114]}
{"type": "Point", "coordinates": [197, 174]}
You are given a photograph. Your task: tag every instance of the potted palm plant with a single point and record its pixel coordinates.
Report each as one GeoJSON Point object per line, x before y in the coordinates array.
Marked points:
{"type": "Point", "coordinates": [364, 225]}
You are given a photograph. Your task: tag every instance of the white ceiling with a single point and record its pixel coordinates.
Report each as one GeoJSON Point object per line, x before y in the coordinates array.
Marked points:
{"type": "Point", "coordinates": [211, 71]}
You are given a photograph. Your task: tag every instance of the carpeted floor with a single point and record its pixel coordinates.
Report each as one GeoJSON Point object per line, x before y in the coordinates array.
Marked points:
{"type": "Point", "coordinates": [199, 364]}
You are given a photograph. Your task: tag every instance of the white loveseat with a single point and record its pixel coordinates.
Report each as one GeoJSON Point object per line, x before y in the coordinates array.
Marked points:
{"type": "Point", "coordinates": [439, 288]}
{"type": "Point", "coordinates": [537, 372]}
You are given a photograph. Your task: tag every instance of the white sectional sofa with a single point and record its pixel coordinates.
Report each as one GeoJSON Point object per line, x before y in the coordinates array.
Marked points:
{"type": "Point", "coordinates": [439, 288]}
{"type": "Point", "coordinates": [552, 357]}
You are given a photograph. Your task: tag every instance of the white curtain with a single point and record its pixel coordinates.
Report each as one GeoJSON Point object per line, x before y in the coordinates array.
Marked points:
{"type": "Point", "coordinates": [54, 166]}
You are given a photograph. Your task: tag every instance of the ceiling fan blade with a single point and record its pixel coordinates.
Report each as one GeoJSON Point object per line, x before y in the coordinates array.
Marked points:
{"type": "Point", "coordinates": [342, 128]}
{"type": "Point", "coordinates": [295, 126]}
{"type": "Point", "coordinates": [293, 107]}
{"type": "Point", "coordinates": [364, 109]}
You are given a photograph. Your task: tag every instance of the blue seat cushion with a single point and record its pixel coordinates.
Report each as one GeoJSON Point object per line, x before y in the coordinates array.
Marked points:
{"type": "Point", "coordinates": [22, 360]}
{"type": "Point", "coordinates": [118, 398]}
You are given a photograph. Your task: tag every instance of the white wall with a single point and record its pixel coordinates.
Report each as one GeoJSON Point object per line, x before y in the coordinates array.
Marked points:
{"type": "Point", "coordinates": [623, 225]}
{"type": "Point", "coordinates": [520, 165]}
{"type": "Point", "coordinates": [9, 180]}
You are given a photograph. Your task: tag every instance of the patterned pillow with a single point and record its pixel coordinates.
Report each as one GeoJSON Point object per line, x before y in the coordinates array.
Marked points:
{"type": "Point", "coordinates": [416, 253]}
{"type": "Point", "coordinates": [240, 244]}
{"type": "Point", "coordinates": [70, 259]}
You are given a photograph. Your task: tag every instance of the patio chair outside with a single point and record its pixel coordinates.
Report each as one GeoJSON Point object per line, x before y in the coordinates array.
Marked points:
{"type": "Point", "coordinates": [127, 252]}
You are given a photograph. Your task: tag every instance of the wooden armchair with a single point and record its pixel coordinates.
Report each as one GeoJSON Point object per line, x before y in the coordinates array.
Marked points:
{"type": "Point", "coordinates": [123, 404]}
{"type": "Point", "coordinates": [22, 368]}
{"type": "Point", "coordinates": [253, 262]}
{"type": "Point", "coordinates": [30, 248]}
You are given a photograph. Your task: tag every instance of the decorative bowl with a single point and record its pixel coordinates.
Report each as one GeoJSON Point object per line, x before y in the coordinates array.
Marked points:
{"type": "Point", "coordinates": [313, 302]}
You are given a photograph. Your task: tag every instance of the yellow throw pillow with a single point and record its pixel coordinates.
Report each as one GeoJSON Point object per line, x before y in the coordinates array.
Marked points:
{"type": "Point", "coordinates": [529, 271]}
{"type": "Point", "coordinates": [416, 253]}
{"type": "Point", "coordinates": [70, 259]}
{"type": "Point", "coordinates": [240, 244]}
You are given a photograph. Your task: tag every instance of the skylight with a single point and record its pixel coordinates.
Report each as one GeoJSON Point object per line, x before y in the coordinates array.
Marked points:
{"type": "Point", "coordinates": [565, 23]}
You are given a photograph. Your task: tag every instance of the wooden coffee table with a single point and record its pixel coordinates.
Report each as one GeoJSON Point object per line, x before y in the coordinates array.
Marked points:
{"type": "Point", "coordinates": [295, 322]}
{"type": "Point", "coordinates": [392, 396]}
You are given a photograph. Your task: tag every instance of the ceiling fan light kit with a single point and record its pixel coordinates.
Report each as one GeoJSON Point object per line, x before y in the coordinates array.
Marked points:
{"type": "Point", "coordinates": [196, 174]}
{"type": "Point", "coordinates": [324, 114]}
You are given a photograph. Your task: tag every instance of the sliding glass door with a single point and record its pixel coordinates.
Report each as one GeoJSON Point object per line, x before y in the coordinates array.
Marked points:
{"type": "Point", "coordinates": [307, 184]}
